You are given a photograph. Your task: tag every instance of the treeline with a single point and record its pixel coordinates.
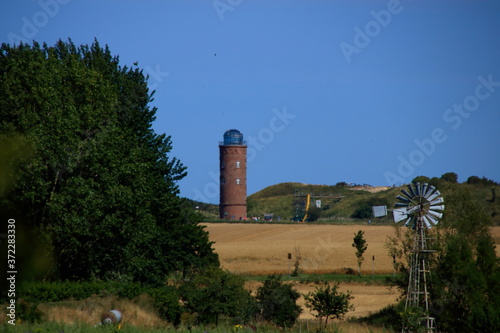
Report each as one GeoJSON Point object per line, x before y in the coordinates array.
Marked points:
{"type": "Point", "coordinates": [452, 177]}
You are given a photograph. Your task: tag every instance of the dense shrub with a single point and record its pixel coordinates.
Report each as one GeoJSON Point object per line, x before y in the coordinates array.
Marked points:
{"type": "Point", "coordinates": [29, 312]}
{"type": "Point", "coordinates": [216, 293]}
{"type": "Point", "coordinates": [62, 290]}
{"type": "Point", "coordinates": [389, 317]}
{"type": "Point", "coordinates": [277, 302]}
{"type": "Point", "coordinates": [166, 302]}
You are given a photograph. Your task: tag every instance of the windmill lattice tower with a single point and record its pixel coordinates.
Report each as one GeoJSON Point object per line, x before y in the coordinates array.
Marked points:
{"type": "Point", "coordinates": [419, 207]}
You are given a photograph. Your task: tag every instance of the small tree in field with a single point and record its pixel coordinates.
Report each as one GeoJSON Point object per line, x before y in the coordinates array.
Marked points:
{"type": "Point", "coordinates": [328, 302]}
{"type": "Point", "coordinates": [360, 244]}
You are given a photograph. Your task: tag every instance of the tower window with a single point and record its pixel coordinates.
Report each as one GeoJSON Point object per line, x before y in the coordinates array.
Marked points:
{"type": "Point", "coordinates": [237, 164]}
{"type": "Point", "coordinates": [238, 181]}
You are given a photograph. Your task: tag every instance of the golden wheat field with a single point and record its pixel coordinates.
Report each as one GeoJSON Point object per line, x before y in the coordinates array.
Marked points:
{"type": "Point", "coordinates": [259, 249]}
{"type": "Point", "coordinates": [263, 248]}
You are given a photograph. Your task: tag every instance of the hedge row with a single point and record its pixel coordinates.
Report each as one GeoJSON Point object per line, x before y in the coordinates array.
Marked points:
{"type": "Point", "coordinates": [63, 290]}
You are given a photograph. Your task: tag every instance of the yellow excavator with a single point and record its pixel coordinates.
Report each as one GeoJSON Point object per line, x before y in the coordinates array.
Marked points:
{"type": "Point", "coordinates": [308, 202]}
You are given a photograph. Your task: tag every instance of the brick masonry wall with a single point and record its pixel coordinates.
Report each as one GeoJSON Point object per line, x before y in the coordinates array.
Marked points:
{"type": "Point", "coordinates": [233, 182]}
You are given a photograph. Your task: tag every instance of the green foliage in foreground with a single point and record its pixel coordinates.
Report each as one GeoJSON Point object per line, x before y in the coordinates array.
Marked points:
{"type": "Point", "coordinates": [464, 283]}
{"type": "Point", "coordinates": [98, 187]}
{"type": "Point", "coordinates": [327, 302]}
{"type": "Point", "coordinates": [62, 290]}
{"type": "Point", "coordinates": [390, 316]}
{"type": "Point", "coordinates": [210, 297]}
{"type": "Point", "coordinates": [301, 327]}
{"type": "Point", "coordinates": [165, 299]}
{"type": "Point", "coordinates": [217, 293]}
{"type": "Point", "coordinates": [277, 302]}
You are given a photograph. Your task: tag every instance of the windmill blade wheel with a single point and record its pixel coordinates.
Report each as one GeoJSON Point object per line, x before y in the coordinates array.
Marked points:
{"type": "Point", "coordinates": [419, 200]}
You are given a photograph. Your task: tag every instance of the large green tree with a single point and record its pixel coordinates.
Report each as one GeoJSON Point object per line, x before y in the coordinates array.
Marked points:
{"type": "Point", "coordinates": [100, 184]}
{"type": "Point", "coordinates": [465, 280]}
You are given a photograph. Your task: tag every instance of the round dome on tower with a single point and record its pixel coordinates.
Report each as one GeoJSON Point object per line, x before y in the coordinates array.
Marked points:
{"type": "Point", "coordinates": [233, 137]}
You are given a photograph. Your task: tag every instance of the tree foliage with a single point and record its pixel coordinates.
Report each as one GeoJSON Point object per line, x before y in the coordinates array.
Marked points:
{"type": "Point", "coordinates": [278, 302]}
{"type": "Point", "coordinates": [464, 279]}
{"type": "Point", "coordinates": [359, 243]}
{"type": "Point", "coordinates": [217, 293]}
{"type": "Point", "coordinates": [482, 181]}
{"type": "Point", "coordinates": [100, 182]}
{"type": "Point", "coordinates": [450, 177]}
{"type": "Point", "coordinates": [420, 179]}
{"type": "Point", "coordinates": [327, 302]}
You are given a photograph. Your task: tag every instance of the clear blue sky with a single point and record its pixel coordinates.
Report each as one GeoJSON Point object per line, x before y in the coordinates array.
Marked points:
{"type": "Point", "coordinates": [374, 92]}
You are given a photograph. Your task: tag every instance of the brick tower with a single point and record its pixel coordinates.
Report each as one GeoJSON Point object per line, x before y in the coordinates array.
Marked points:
{"type": "Point", "coordinates": [233, 176]}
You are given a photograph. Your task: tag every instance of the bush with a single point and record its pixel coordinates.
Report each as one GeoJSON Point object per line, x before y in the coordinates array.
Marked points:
{"type": "Point", "coordinates": [61, 290]}
{"type": "Point", "coordinates": [166, 302]}
{"type": "Point", "coordinates": [312, 279]}
{"type": "Point", "coordinates": [314, 214]}
{"type": "Point", "coordinates": [215, 293]}
{"type": "Point", "coordinates": [58, 291]}
{"type": "Point", "coordinates": [29, 312]}
{"type": "Point", "coordinates": [277, 302]}
{"type": "Point", "coordinates": [389, 317]}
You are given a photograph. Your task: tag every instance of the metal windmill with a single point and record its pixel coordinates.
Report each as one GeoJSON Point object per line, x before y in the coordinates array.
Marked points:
{"type": "Point", "coordinates": [421, 208]}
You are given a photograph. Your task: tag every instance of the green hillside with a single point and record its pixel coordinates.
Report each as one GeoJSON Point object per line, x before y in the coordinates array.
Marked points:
{"type": "Point", "coordinates": [339, 203]}
{"type": "Point", "coordinates": [348, 204]}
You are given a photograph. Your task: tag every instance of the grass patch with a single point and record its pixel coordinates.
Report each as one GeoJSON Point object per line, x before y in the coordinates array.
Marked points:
{"type": "Point", "coordinates": [380, 279]}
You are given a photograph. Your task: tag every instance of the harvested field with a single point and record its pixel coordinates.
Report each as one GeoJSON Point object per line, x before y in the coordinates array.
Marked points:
{"type": "Point", "coordinates": [263, 248]}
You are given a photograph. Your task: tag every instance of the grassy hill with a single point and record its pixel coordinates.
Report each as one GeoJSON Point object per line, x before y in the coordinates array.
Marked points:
{"type": "Point", "coordinates": [338, 203]}
{"type": "Point", "coordinates": [343, 203]}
